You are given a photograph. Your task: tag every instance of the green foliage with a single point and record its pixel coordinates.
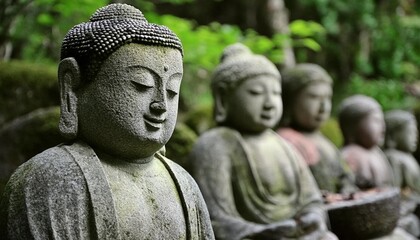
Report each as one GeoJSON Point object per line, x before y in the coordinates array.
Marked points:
{"type": "Point", "coordinates": [305, 32]}
{"type": "Point", "coordinates": [396, 47]}
{"type": "Point", "coordinates": [390, 94]}
{"type": "Point", "coordinates": [48, 21]}
{"type": "Point", "coordinates": [336, 12]}
{"type": "Point", "coordinates": [203, 46]}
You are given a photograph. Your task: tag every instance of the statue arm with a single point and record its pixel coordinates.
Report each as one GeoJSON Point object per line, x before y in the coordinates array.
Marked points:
{"type": "Point", "coordinates": [411, 175]}
{"type": "Point", "coordinates": [396, 165]}
{"type": "Point", "coordinates": [347, 178]}
{"type": "Point", "coordinates": [311, 218]}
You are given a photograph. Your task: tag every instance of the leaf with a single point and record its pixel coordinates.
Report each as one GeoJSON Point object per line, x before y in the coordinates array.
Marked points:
{"type": "Point", "coordinates": [309, 43]}
{"type": "Point", "coordinates": [45, 19]}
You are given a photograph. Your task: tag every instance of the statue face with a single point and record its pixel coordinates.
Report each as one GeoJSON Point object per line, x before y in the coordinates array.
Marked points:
{"type": "Point", "coordinates": [407, 137]}
{"type": "Point", "coordinates": [255, 104]}
{"type": "Point", "coordinates": [371, 130]}
{"type": "Point", "coordinates": [130, 108]}
{"type": "Point", "coordinates": [312, 106]}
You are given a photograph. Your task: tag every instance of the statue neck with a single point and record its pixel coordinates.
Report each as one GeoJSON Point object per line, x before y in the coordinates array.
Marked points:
{"type": "Point", "coordinates": [302, 129]}
{"type": "Point", "coordinates": [118, 160]}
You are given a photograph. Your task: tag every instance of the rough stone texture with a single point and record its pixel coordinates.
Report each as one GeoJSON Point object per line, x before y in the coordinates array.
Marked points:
{"type": "Point", "coordinates": [110, 181]}
{"type": "Point", "coordinates": [400, 142]}
{"type": "Point", "coordinates": [255, 185]}
{"type": "Point", "coordinates": [366, 218]}
{"type": "Point", "coordinates": [307, 92]}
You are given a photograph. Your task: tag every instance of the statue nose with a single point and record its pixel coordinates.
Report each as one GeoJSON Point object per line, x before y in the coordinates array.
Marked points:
{"type": "Point", "coordinates": [159, 107]}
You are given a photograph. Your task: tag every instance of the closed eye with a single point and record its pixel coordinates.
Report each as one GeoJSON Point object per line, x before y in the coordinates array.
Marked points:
{"type": "Point", "coordinates": [140, 86]}
{"type": "Point", "coordinates": [171, 93]}
{"type": "Point", "coordinates": [255, 91]}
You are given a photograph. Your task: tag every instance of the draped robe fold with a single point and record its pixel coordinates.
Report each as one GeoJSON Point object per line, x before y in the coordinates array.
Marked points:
{"type": "Point", "coordinates": [63, 193]}
{"type": "Point", "coordinates": [236, 197]}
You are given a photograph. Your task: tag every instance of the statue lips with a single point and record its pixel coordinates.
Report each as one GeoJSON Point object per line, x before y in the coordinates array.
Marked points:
{"type": "Point", "coordinates": [154, 122]}
{"type": "Point", "coordinates": [267, 115]}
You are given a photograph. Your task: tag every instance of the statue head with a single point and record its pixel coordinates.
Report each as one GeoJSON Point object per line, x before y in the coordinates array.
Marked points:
{"type": "Point", "coordinates": [247, 90]}
{"type": "Point", "coordinates": [119, 81]}
{"type": "Point", "coordinates": [307, 92]}
{"type": "Point", "coordinates": [401, 131]}
{"type": "Point", "coordinates": [361, 121]}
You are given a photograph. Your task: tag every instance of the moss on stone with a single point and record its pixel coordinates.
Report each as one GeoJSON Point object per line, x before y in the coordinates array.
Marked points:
{"type": "Point", "coordinates": [25, 87]}
{"type": "Point", "coordinates": [200, 118]}
{"type": "Point", "coordinates": [180, 145]}
{"type": "Point", "coordinates": [331, 130]}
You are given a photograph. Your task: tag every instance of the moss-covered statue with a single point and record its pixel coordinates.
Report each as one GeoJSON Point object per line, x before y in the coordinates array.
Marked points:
{"type": "Point", "coordinates": [307, 92]}
{"type": "Point", "coordinates": [400, 142]}
{"type": "Point", "coordinates": [254, 184]}
{"type": "Point", "coordinates": [362, 123]}
{"type": "Point", "coordinates": [119, 81]}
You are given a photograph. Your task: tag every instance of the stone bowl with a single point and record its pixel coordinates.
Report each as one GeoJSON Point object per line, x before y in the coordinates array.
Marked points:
{"type": "Point", "coordinates": [370, 215]}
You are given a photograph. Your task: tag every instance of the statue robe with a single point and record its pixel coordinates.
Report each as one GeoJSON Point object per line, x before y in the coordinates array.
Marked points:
{"type": "Point", "coordinates": [329, 169]}
{"type": "Point", "coordinates": [371, 167]}
{"type": "Point", "coordinates": [235, 193]}
{"type": "Point", "coordinates": [63, 193]}
{"type": "Point", "coordinates": [407, 177]}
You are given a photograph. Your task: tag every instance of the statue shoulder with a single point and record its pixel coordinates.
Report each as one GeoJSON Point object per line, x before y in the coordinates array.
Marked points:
{"type": "Point", "coordinates": [214, 143]}
{"type": "Point", "coordinates": [219, 136]}
{"type": "Point", "coordinates": [53, 165]}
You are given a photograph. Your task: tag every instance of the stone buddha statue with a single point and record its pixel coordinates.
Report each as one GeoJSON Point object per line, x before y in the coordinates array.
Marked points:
{"type": "Point", "coordinates": [119, 79]}
{"type": "Point", "coordinates": [400, 142]}
{"type": "Point", "coordinates": [254, 183]}
{"type": "Point", "coordinates": [307, 92]}
{"type": "Point", "coordinates": [363, 127]}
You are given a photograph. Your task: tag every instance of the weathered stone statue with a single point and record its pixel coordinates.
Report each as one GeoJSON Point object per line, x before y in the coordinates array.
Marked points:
{"type": "Point", "coordinates": [400, 142]}
{"type": "Point", "coordinates": [362, 123]}
{"type": "Point", "coordinates": [254, 184]}
{"type": "Point", "coordinates": [119, 82]}
{"type": "Point", "coordinates": [363, 127]}
{"type": "Point", "coordinates": [307, 92]}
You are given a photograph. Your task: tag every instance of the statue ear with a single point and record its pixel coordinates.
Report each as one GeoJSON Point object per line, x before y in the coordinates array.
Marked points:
{"type": "Point", "coordinates": [68, 80]}
{"type": "Point", "coordinates": [220, 104]}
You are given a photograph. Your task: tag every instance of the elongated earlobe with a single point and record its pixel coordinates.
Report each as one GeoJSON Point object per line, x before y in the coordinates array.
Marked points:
{"type": "Point", "coordinates": [220, 108]}
{"type": "Point", "coordinates": [68, 80]}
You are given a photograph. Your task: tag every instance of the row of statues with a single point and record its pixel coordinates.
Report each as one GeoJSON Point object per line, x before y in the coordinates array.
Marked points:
{"type": "Point", "coordinates": [119, 79]}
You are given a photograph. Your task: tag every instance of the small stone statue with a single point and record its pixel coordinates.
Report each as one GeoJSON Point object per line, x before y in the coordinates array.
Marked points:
{"type": "Point", "coordinates": [362, 123]}
{"type": "Point", "coordinates": [400, 142]}
{"type": "Point", "coordinates": [254, 184]}
{"type": "Point", "coordinates": [363, 127]}
{"type": "Point", "coordinates": [307, 92]}
{"type": "Point", "coordinates": [119, 81]}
